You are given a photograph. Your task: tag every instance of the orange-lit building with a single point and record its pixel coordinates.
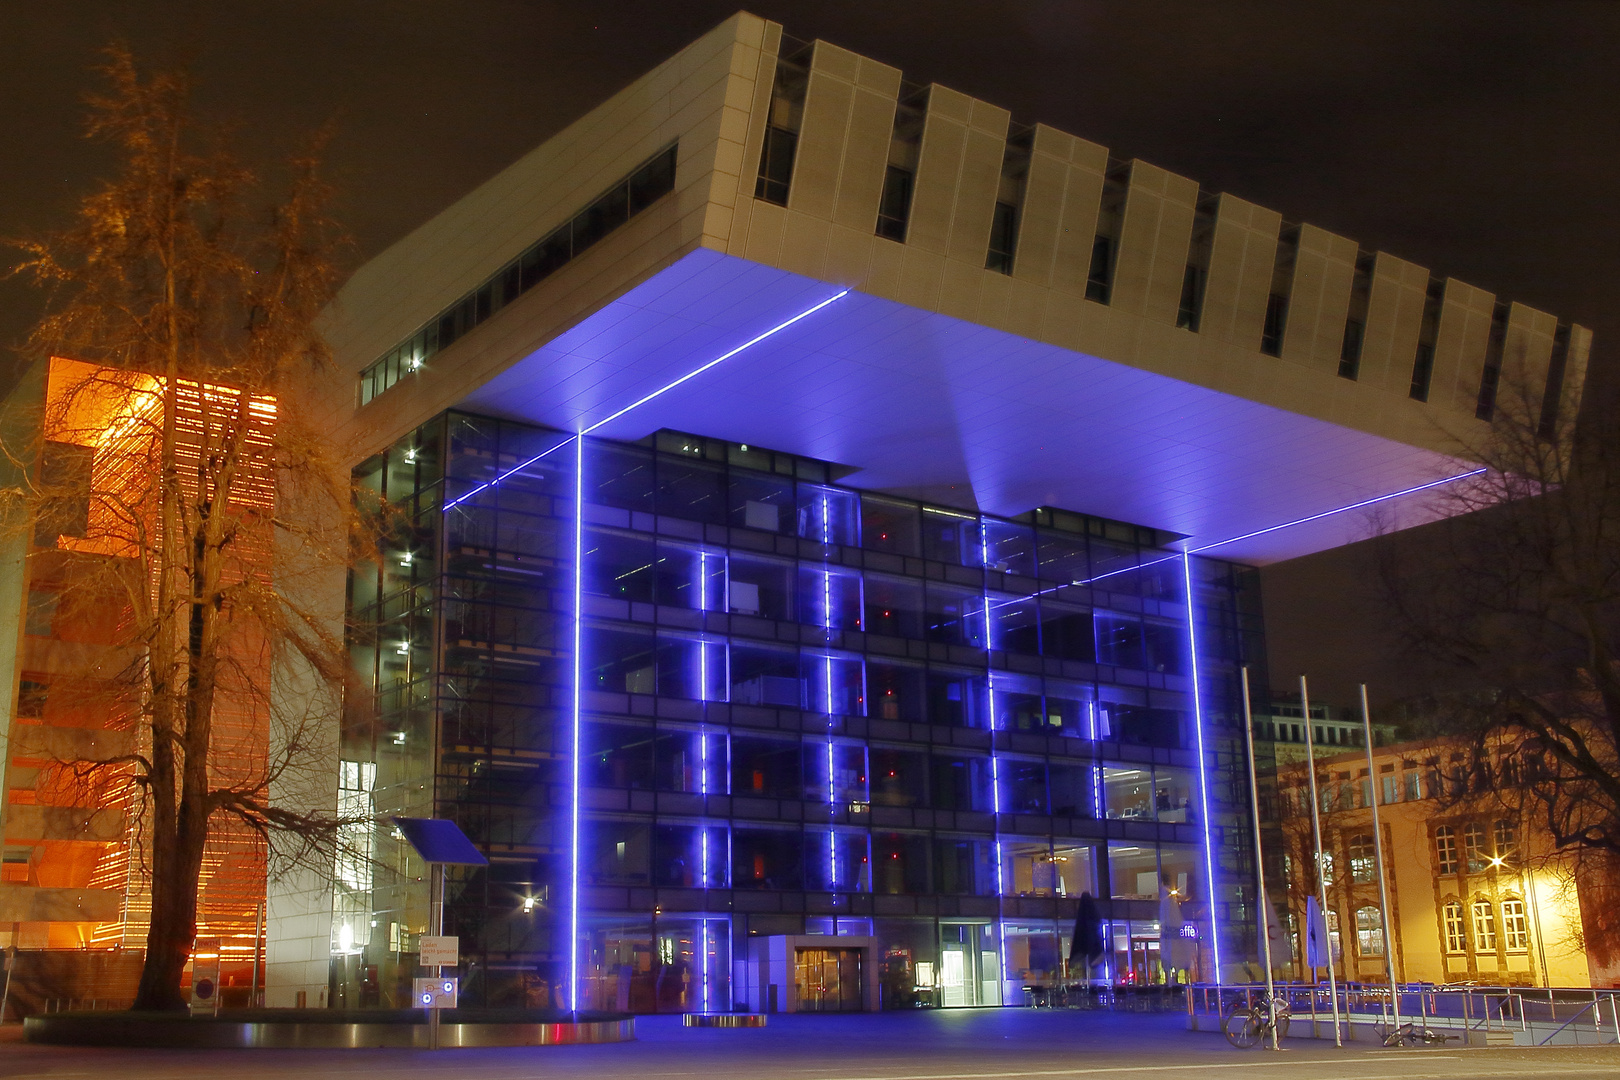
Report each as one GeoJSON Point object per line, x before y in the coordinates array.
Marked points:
{"type": "Point", "coordinates": [71, 559]}
{"type": "Point", "coordinates": [1476, 892]}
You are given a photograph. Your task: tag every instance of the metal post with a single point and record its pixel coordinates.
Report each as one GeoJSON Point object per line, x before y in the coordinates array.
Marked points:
{"type": "Point", "coordinates": [1529, 878]}
{"type": "Point", "coordinates": [11, 965]}
{"type": "Point", "coordinates": [1378, 856]}
{"type": "Point", "coordinates": [1259, 863]}
{"type": "Point", "coordinates": [1316, 833]}
{"type": "Point", "coordinates": [258, 933]}
{"type": "Point", "coordinates": [436, 916]}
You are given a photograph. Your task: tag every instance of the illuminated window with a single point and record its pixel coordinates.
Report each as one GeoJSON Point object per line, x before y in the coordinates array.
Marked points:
{"type": "Point", "coordinates": [1514, 927]}
{"type": "Point", "coordinates": [1456, 935]}
{"type": "Point", "coordinates": [1445, 849]}
{"type": "Point", "coordinates": [1474, 847]}
{"type": "Point", "coordinates": [1507, 839]}
{"type": "Point", "coordinates": [1362, 863]}
{"type": "Point", "coordinates": [1484, 926]}
{"type": "Point", "coordinates": [1369, 932]}
{"type": "Point", "coordinates": [1327, 867]}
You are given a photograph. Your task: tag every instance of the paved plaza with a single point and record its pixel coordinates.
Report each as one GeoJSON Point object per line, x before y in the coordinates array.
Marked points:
{"type": "Point", "coordinates": [993, 1044]}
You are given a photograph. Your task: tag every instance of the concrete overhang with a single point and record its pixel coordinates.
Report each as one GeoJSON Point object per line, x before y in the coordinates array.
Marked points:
{"type": "Point", "coordinates": [930, 406]}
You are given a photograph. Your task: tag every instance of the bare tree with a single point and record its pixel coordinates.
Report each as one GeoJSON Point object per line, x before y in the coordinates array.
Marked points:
{"type": "Point", "coordinates": [183, 306]}
{"type": "Point", "coordinates": [1517, 599]}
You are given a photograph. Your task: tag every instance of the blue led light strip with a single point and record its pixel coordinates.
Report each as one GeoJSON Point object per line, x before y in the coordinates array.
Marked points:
{"type": "Point", "coordinates": [1258, 532]}
{"type": "Point", "coordinates": [1339, 510]}
{"type": "Point", "coordinates": [579, 634]}
{"type": "Point", "coordinates": [1203, 768]}
{"type": "Point", "coordinates": [578, 439]}
{"type": "Point", "coordinates": [666, 388]}
{"type": "Point", "coordinates": [995, 781]}
{"type": "Point", "coordinates": [832, 773]}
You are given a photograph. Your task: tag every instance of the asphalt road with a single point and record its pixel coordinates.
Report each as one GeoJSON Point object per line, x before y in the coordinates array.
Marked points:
{"type": "Point", "coordinates": [993, 1044]}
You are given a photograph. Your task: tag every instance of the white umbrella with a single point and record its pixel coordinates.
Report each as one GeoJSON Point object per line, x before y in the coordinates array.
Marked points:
{"type": "Point", "coordinates": [1175, 951]}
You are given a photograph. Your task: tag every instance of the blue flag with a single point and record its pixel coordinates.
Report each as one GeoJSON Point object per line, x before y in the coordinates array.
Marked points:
{"type": "Point", "coordinates": [1316, 935]}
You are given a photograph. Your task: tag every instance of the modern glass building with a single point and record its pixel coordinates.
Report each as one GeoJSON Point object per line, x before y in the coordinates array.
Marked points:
{"type": "Point", "coordinates": [823, 521]}
{"type": "Point", "coordinates": [700, 697]}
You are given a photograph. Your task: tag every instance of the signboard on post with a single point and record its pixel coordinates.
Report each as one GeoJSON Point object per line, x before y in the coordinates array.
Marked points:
{"type": "Point", "coordinates": [439, 993]}
{"type": "Point", "coordinates": [205, 976]}
{"type": "Point", "coordinates": [440, 843]}
{"type": "Point", "coordinates": [442, 950]}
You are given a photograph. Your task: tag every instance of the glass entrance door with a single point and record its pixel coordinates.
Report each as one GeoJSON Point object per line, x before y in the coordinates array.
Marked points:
{"type": "Point", "coordinates": [956, 981]}
{"type": "Point", "coordinates": [829, 980]}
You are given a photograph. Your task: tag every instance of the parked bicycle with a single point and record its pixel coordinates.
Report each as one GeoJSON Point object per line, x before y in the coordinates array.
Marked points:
{"type": "Point", "coordinates": [1415, 1035]}
{"type": "Point", "coordinates": [1248, 1022]}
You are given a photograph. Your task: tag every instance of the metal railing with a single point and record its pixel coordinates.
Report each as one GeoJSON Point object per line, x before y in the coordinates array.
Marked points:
{"type": "Point", "coordinates": [1541, 1015]}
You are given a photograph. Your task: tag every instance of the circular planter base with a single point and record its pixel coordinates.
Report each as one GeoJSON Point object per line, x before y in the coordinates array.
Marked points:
{"type": "Point", "coordinates": [328, 1029]}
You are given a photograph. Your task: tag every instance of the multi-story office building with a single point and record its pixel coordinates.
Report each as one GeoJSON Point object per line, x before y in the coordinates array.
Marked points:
{"type": "Point", "coordinates": [911, 730]}
{"type": "Point", "coordinates": [828, 519]}
{"type": "Point", "coordinates": [833, 510]}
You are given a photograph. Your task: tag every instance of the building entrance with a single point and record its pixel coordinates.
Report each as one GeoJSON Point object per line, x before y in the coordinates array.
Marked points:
{"type": "Point", "coordinates": [968, 970]}
{"type": "Point", "coordinates": [829, 980]}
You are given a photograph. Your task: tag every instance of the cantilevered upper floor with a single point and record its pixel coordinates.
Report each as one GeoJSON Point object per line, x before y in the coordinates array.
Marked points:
{"type": "Point", "coordinates": [1027, 321]}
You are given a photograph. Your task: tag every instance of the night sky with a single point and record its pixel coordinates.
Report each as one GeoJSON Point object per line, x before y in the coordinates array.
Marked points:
{"type": "Point", "coordinates": [1481, 140]}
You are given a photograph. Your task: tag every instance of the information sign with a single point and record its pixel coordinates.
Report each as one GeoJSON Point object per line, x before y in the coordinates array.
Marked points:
{"type": "Point", "coordinates": [444, 951]}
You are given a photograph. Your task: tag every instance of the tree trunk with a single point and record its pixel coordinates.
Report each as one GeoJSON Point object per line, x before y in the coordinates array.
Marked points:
{"type": "Point", "coordinates": [176, 866]}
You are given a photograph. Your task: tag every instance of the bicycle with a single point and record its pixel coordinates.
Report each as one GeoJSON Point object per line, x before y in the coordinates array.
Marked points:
{"type": "Point", "coordinates": [1412, 1035]}
{"type": "Point", "coordinates": [1246, 1024]}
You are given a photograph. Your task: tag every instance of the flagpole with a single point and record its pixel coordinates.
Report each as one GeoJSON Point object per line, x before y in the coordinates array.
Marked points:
{"type": "Point", "coordinates": [1259, 863]}
{"type": "Point", "coordinates": [1378, 854]}
{"type": "Point", "coordinates": [1316, 834]}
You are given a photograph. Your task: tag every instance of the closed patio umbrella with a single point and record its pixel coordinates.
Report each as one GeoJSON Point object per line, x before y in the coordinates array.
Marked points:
{"type": "Point", "coordinates": [1087, 944]}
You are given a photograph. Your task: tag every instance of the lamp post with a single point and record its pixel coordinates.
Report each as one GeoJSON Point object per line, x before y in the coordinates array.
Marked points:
{"type": "Point", "coordinates": [1259, 862]}
{"type": "Point", "coordinates": [1378, 855]}
{"type": "Point", "coordinates": [1321, 878]}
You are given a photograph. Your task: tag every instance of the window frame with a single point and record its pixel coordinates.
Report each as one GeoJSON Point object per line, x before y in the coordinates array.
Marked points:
{"type": "Point", "coordinates": [1473, 848]}
{"type": "Point", "coordinates": [1483, 914]}
{"type": "Point", "coordinates": [1515, 925]}
{"type": "Point", "coordinates": [1446, 861]}
{"type": "Point", "coordinates": [1363, 859]}
{"type": "Point", "coordinates": [1505, 838]}
{"type": "Point", "coordinates": [1454, 929]}
{"type": "Point", "coordinates": [1369, 931]}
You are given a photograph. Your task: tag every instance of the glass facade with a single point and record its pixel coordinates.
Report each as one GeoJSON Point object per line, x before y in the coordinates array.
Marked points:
{"type": "Point", "coordinates": [794, 708]}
